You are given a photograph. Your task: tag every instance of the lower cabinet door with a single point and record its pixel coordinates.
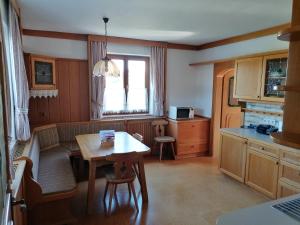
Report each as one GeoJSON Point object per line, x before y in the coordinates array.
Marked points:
{"type": "Point", "coordinates": [262, 172]}
{"type": "Point", "coordinates": [285, 189]}
{"type": "Point", "coordinates": [233, 156]}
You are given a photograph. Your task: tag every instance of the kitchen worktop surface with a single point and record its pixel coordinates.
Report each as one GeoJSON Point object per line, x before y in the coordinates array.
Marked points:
{"type": "Point", "coordinates": [263, 214]}
{"type": "Point", "coordinates": [252, 135]}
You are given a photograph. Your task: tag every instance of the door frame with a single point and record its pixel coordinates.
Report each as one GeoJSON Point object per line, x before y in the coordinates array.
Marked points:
{"type": "Point", "coordinates": [220, 69]}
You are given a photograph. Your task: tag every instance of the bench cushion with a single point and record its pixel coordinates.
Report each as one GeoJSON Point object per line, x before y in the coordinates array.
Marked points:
{"type": "Point", "coordinates": [55, 171]}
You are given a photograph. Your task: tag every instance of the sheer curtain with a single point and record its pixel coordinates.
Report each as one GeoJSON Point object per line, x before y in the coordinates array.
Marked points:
{"type": "Point", "coordinates": [97, 52]}
{"type": "Point", "coordinates": [19, 79]}
{"type": "Point", "coordinates": [157, 80]}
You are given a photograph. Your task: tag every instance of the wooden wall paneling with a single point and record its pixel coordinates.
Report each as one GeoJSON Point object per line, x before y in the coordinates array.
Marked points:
{"type": "Point", "coordinates": [43, 110]}
{"type": "Point", "coordinates": [74, 84]}
{"type": "Point", "coordinates": [54, 106]}
{"type": "Point", "coordinates": [64, 90]}
{"type": "Point", "coordinates": [84, 91]}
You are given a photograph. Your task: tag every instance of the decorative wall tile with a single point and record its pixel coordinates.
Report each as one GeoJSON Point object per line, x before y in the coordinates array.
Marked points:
{"type": "Point", "coordinates": [252, 118]}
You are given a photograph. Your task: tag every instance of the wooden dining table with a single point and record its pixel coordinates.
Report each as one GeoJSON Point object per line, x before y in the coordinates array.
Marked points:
{"type": "Point", "coordinates": [95, 153]}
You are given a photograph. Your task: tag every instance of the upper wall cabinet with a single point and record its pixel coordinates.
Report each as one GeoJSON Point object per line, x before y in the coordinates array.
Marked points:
{"type": "Point", "coordinates": [257, 78]}
{"type": "Point", "coordinates": [248, 78]}
{"type": "Point", "coordinates": [274, 74]}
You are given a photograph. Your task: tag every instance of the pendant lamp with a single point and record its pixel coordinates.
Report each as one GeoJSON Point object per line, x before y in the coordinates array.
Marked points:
{"type": "Point", "coordinates": [106, 67]}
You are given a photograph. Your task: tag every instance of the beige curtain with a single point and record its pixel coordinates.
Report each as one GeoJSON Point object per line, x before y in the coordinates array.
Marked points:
{"type": "Point", "coordinates": [19, 78]}
{"type": "Point", "coordinates": [157, 80]}
{"type": "Point", "coordinates": [97, 52]}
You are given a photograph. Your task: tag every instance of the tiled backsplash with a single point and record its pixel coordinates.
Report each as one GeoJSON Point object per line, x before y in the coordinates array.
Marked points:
{"type": "Point", "coordinates": [257, 118]}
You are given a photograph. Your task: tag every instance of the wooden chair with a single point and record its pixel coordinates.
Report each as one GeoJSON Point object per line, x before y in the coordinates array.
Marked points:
{"type": "Point", "coordinates": [160, 137]}
{"type": "Point", "coordinates": [121, 173]}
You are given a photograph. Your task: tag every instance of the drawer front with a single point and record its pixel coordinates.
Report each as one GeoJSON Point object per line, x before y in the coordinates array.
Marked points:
{"type": "Point", "coordinates": [195, 132]}
{"type": "Point", "coordinates": [290, 157]}
{"type": "Point", "coordinates": [289, 172]}
{"type": "Point", "coordinates": [286, 190]}
{"type": "Point", "coordinates": [264, 149]}
{"type": "Point", "coordinates": [183, 149]}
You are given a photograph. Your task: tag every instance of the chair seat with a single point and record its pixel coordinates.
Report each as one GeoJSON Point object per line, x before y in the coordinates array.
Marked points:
{"type": "Point", "coordinates": [111, 176]}
{"type": "Point", "coordinates": [164, 139]}
{"type": "Point", "coordinates": [55, 171]}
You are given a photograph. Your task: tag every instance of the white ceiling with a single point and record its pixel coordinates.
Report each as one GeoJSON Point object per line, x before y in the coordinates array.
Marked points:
{"type": "Point", "coordinates": [179, 21]}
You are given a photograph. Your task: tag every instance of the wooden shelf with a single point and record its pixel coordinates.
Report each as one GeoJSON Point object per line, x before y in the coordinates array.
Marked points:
{"type": "Point", "coordinates": [289, 34]}
{"type": "Point", "coordinates": [287, 139]}
{"type": "Point", "coordinates": [262, 112]}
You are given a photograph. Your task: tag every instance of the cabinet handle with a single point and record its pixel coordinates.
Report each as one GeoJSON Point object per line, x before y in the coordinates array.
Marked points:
{"type": "Point", "coordinates": [277, 163]}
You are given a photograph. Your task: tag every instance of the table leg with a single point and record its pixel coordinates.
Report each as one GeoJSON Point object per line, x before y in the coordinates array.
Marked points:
{"type": "Point", "coordinates": [91, 187]}
{"type": "Point", "coordinates": [143, 181]}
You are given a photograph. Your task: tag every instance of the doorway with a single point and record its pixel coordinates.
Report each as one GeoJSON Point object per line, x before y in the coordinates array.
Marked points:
{"type": "Point", "coordinates": [226, 111]}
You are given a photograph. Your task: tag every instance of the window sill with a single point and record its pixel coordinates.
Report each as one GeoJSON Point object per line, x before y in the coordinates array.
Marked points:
{"type": "Point", "coordinates": [129, 117]}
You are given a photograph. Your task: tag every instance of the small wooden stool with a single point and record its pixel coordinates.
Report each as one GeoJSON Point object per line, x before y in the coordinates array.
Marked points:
{"type": "Point", "coordinates": [160, 137]}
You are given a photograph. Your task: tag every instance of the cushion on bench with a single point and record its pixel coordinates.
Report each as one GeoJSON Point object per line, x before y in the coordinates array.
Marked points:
{"type": "Point", "coordinates": [55, 171]}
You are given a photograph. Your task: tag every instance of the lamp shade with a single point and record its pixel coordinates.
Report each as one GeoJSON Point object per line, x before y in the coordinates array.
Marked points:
{"type": "Point", "coordinates": [106, 68]}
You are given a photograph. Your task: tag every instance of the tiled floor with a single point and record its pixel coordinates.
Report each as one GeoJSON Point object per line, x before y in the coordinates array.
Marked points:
{"type": "Point", "coordinates": [184, 192]}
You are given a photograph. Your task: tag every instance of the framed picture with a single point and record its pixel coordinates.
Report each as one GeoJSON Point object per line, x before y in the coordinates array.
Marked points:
{"type": "Point", "coordinates": [43, 72]}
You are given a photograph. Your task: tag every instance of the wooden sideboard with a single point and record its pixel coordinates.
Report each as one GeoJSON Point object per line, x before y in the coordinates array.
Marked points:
{"type": "Point", "coordinates": [192, 136]}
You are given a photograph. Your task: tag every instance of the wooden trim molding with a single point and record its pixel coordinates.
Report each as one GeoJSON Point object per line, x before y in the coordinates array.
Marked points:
{"type": "Point", "coordinates": [132, 41]}
{"type": "Point", "coordinates": [111, 39]}
{"type": "Point", "coordinates": [54, 34]}
{"type": "Point", "coordinates": [283, 51]}
{"type": "Point", "coordinates": [245, 37]}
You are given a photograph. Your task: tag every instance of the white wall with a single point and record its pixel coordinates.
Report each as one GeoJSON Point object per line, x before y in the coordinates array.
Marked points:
{"type": "Point", "coordinates": [62, 48]}
{"type": "Point", "coordinates": [186, 85]}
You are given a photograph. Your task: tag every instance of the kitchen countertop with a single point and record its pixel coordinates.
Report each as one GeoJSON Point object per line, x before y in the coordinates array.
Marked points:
{"type": "Point", "coordinates": [263, 214]}
{"type": "Point", "coordinates": [252, 135]}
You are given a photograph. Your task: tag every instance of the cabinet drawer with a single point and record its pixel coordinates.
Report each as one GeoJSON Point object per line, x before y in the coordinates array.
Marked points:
{"type": "Point", "coordinates": [264, 149]}
{"type": "Point", "coordinates": [290, 157]}
{"type": "Point", "coordinates": [183, 149]}
{"type": "Point", "coordinates": [193, 132]}
{"type": "Point", "coordinates": [285, 189]}
{"type": "Point", "coordinates": [289, 172]}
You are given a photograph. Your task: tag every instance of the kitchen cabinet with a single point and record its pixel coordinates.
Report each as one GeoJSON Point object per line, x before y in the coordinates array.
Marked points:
{"type": "Point", "coordinates": [248, 73]}
{"type": "Point", "coordinates": [192, 136]}
{"type": "Point", "coordinates": [256, 78]}
{"type": "Point", "coordinates": [233, 156]}
{"type": "Point", "coordinates": [274, 74]}
{"type": "Point", "coordinates": [262, 169]}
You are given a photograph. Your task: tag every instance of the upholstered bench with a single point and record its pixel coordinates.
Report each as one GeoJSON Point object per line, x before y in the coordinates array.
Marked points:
{"type": "Point", "coordinates": [48, 176]}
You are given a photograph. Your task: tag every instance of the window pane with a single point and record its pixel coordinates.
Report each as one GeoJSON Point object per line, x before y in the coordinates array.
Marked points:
{"type": "Point", "coordinates": [136, 74]}
{"type": "Point", "coordinates": [137, 100]}
{"type": "Point", "coordinates": [114, 94]}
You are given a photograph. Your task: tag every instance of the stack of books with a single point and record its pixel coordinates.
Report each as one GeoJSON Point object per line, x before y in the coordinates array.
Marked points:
{"type": "Point", "coordinates": [107, 137]}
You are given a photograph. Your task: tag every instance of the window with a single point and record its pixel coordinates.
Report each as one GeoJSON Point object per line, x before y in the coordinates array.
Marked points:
{"type": "Point", "coordinates": [128, 94]}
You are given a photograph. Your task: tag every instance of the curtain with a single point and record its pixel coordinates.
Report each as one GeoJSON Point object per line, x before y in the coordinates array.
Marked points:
{"type": "Point", "coordinates": [19, 77]}
{"type": "Point", "coordinates": [157, 80]}
{"type": "Point", "coordinates": [97, 52]}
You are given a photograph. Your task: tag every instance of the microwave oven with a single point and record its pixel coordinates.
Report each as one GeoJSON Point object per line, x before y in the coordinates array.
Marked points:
{"type": "Point", "coordinates": [181, 113]}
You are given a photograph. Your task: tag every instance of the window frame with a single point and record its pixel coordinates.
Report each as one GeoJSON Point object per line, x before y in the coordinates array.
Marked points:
{"type": "Point", "coordinates": [126, 58]}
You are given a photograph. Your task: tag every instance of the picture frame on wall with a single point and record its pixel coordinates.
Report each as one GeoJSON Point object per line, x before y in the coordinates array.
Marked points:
{"type": "Point", "coordinates": [43, 73]}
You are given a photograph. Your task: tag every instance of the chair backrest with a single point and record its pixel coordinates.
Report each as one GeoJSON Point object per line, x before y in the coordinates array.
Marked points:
{"type": "Point", "coordinates": [159, 126]}
{"type": "Point", "coordinates": [138, 136]}
{"type": "Point", "coordinates": [123, 164]}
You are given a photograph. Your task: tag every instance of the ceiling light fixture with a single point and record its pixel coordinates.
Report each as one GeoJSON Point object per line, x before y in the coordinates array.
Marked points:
{"type": "Point", "coordinates": [106, 67]}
